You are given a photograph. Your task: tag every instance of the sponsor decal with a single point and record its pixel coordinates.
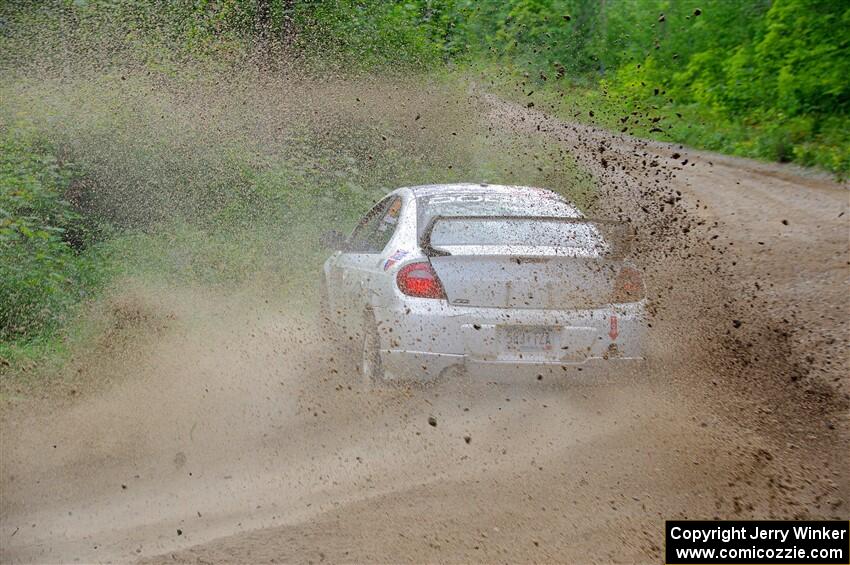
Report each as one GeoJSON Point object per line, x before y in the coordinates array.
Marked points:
{"type": "Point", "coordinates": [394, 258]}
{"type": "Point", "coordinates": [391, 217]}
{"type": "Point", "coordinates": [615, 330]}
{"type": "Point", "coordinates": [486, 197]}
{"type": "Point", "coordinates": [393, 212]}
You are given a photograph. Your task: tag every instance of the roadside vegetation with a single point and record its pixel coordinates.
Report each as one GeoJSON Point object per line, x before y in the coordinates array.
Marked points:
{"type": "Point", "coordinates": [48, 259]}
{"type": "Point", "coordinates": [760, 79]}
{"type": "Point", "coordinates": [213, 142]}
{"type": "Point", "coordinates": [756, 79]}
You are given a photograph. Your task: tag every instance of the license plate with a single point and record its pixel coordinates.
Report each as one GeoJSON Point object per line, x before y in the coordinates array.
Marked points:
{"type": "Point", "coordinates": [530, 339]}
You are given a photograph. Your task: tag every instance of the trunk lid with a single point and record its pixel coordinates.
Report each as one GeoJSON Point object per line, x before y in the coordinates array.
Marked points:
{"type": "Point", "coordinates": [514, 281]}
{"type": "Point", "coordinates": [525, 262]}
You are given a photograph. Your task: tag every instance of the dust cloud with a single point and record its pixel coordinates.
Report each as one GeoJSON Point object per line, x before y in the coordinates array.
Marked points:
{"type": "Point", "coordinates": [211, 418]}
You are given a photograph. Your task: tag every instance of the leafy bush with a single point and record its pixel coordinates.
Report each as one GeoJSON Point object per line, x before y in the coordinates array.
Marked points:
{"type": "Point", "coordinates": [42, 276]}
{"type": "Point", "coordinates": [366, 35]}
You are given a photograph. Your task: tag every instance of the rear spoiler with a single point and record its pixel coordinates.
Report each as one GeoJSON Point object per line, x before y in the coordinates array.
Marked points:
{"type": "Point", "coordinates": [431, 251]}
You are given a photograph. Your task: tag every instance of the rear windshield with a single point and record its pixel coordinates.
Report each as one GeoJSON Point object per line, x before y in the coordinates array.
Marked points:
{"type": "Point", "coordinates": [519, 232]}
{"type": "Point", "coordinates": [490, 204]}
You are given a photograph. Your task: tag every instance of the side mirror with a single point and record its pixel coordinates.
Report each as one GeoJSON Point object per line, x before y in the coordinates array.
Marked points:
{"type": "Point", "coordinates": [333, 239]}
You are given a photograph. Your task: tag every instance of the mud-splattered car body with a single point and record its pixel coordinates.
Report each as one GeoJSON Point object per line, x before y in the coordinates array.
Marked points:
{"type": "Point", "coordinates": [502, 282]}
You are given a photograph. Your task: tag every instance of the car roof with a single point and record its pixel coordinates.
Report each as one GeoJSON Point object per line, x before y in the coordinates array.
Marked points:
{"type": "Point", "coordinates": [427, 190]}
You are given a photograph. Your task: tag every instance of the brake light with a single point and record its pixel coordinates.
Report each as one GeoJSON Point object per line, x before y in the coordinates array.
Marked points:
{"type": "Point", "coordinates": [420, 280]}
{"type": "Point", "coordinates": [628, 286]}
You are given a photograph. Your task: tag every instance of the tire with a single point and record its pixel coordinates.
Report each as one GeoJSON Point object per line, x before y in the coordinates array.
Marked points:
{"type": "Point", "coordinates": [371, 368]}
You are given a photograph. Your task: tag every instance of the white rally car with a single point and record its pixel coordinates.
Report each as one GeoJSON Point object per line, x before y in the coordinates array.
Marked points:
{"type": "Point", "coordinates": [504, 282]}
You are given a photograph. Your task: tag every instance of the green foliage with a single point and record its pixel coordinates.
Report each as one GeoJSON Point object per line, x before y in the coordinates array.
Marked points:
{"type": "Point", "coordinates": [804, 56]}
{"type": "Point", "coordinates": [163, 34]}
{"type": "Point", "coordinates": [41, 275]}
{"type": "Point", "coordinates": [366, 35]}
{"type": "Point", "coordinates": [760, 79]}
{"type": "Point", "coordinates": [767, 78]}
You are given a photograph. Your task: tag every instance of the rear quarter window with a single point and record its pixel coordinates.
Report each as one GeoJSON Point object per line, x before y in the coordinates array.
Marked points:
{"type": "Point", "coordinates": [377, 228]}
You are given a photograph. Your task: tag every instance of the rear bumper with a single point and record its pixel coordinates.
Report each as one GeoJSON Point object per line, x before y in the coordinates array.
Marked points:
{"type": "Point", "coordinates": [427, 366]}
{"type": "Point", "coordinates": [422, 339]}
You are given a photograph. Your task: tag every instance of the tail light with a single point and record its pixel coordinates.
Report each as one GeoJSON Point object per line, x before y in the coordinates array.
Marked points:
{"type": "Point", "coordinates": [628, 286]}
{"type": "Point", "coordinates": [420, 280]}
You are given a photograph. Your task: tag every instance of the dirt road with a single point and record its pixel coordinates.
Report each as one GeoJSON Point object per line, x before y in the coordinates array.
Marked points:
{"type": "Point", "coordinates": [232, 433]}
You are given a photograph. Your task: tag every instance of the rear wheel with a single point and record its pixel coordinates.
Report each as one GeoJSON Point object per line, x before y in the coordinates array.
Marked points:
{"type": "Point", "coordinates": [371, 368]}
